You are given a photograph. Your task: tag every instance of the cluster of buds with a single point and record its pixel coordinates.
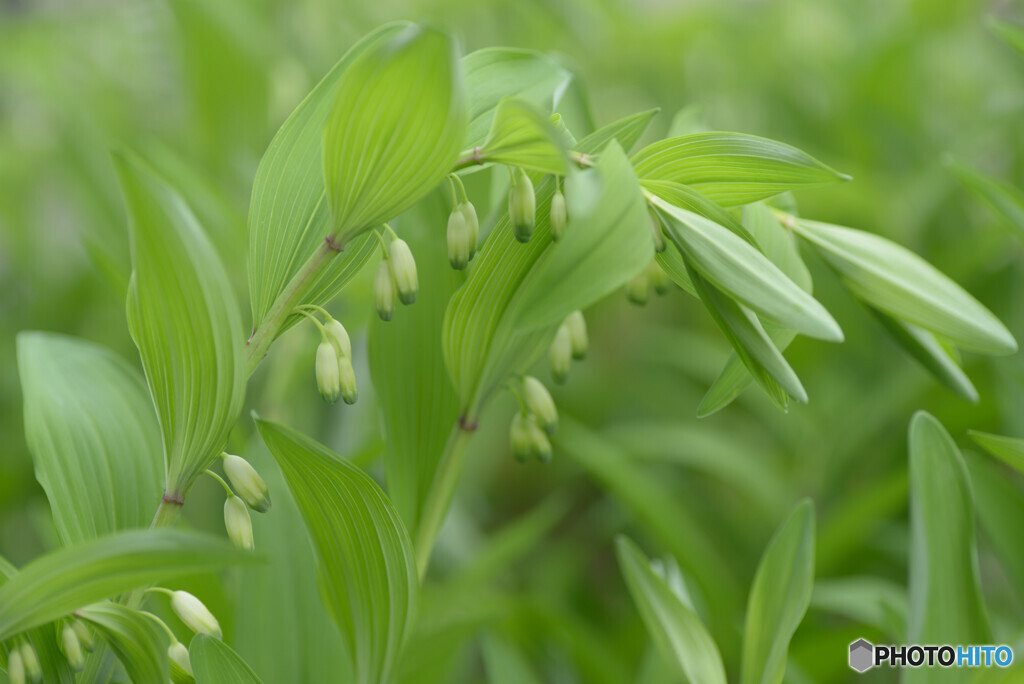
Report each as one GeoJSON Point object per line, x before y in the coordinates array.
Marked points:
{"type": "Point", "coordinates": [396, 278]}
{"type": "Point", "coordinates": [335, 375]}
{"type": "Point", "coordinates": [639, 287]}
{"type": "Point", "coordinates": [23, 663]}
{"type": "Point", "coordinates": [463, 228]}
{"type": "Point", "coordinates": [252, 493]}
{"type": "Point", "coordinates": [571, 342]}
{"type": "Point", "coordinates": [536, 420]}
{"type": "Point", "coordinates": [75, 641]}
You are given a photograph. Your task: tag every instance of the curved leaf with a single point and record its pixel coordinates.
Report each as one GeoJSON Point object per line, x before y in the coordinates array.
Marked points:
{"type": "Point", "coordinates": [137, 641]}
{"type": "Point", "coordinates": [626, 131]}
{"type": "Point", "coordinates": [520, 136]}
{"type": "Point", "coordinates": [365, 563]}
{"type": "Point", "coordinates": [1006, 200]}
{"type": "Point", "coordinates": [93, 434]}
{"type": "Point", "coordinates": [213, 662]}
{"type": "Point", "coordinates": [1009, 450]}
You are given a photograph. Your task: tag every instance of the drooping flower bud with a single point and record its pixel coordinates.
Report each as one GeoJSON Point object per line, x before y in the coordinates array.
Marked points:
{"type": "Point", "coordinates": [194, 614]}
{"type": "Point", "coordinates": [577, 325]}
{"type": "Point", "coordinates": [560, 355]}
{"type": "Point", "coordinates": [403, 270]}
{"type": "Point", "coordinates": [519, 437]}
{"type": "Point", "coordinates": [327, 380]}
{"type": "Point", "coordinates": [72, 648]}
{"type": "Point", "coordinates": [347, 380]}
{"type": "Point", "coordinates": [247, 483]}
{"type": "Point", "coordinates": [384, 291]}
{"type": "Point", "coordinates": [539, 402]}
{"type": "Point", "coordinates": [656, 234]}
{"type": "Point", "coordinates": [658, 278]}
{"type": "Point", "coordinates": [178, 654]}
{"type": "Point", "coordinates": [459, 237]}
{"type": "Point", "coordinates": [522, 206]}
{"type": "Point", "coordinates": [559, 217]}
{"type": "Point", "coordinates": [85, 637]}
{"type": "Point", "coordinates": [15, 667]}
{"type": "Point", "coordinates": [638, 288]}
{"type": "Point", "coordinates": [539, 443]}
{"type": "Point", "coordinates": [473, 224]}
{"type": "Point", "coordinates": [339, 337]}
{"type": "Point", "coordinates": [31, 661]}
{"type": "Point", "coordinates": [238, 523]}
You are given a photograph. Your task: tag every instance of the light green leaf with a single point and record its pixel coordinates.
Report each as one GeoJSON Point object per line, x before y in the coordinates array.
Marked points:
{"type": "Point", "coordinates": [137, 641]}
{"type": "Point", "coordinates": [946, 605]}
{"type": "Point", "coordinates": [685, 197]}
{"type": "Point", "coordinates": [905, 286]}
{"type": "Point", "coordinates": [494, 74]}
{"type": "Point", "coordinates": [870, 601]}
{"type": "Point", "coordinates": [675, 628]}
{"type": "Point", "coordinates": [185, 321]}
{"type": "Point", "coordinates": [520, 136]}
{"type": "Point", "coordinates": [626, 130]}
{"type": "Point", "coordinates": [64, 580]}
{"type": "Point", "coordinates": [1009, 450]}
{"type": "Point", "coordinates": [395, 128]}
{"type": "Point", "coordinates": [94, 437]}
{"type": "Point", "coordinates": [1006, 200]}
{"type": "Point", "coordinates": [288, 214]}
{"type": "Point", "coordinates": [742, 272]}
{"type": "Point", "coordinates": [213, 662]}
{"type": "Point", "coordinates": [735, 377]}
{"type": "Point", "coordinates": [671, 261]}
{"type": "Point", "coordinates": [779, 597]}
{"type": "Point", "coordinates": [1012, 33]}
{"type": "Point", "coordinates": [731, 168]}
{"type": "Point", "coordinates": [365, 563]}
{"type": "Point", "coordinates": [1000, 507]}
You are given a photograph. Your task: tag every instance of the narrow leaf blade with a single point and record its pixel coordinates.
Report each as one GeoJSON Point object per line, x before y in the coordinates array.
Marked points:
{"type": "Point", "coordinates": [137, 641]}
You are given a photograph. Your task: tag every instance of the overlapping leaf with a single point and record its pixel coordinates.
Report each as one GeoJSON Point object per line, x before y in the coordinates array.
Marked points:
{"type": "Point", "coordinates": [626, 131]}
{"type": "Point", "coordinates": [214, 662]}
{"type": "Point", "coordinates": [1009, 450]}
{"type": "Point", "coordinates": [521, 136]}
{"type": "Point", "coordinates": [137, 641]}
{"type": "Point", "coordinates": [94, 437]}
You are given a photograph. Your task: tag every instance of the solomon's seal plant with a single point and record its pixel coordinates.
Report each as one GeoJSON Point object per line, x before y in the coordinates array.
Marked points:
{"type": "Point", "coordinates": [542, 222]}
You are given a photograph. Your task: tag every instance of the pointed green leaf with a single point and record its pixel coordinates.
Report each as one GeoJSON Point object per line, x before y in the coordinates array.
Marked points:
{"type": "Point", "coordinates": [95, 441]}
{"type": "Point", "coordinates": [685, 197]}
{"type": "Point", "coordinates": [520, 136]}
{"type": "Point", "coordinates": [1012, 33]}
{"type": "Point", "coordinates": [1006, 200]}
{"type": "Point", "coordinates": [395, 128]}
{"type": "Point", "coordinates": [779, 598]}
{"type": "Point", "coordinates": [626, 130]}
{"type": "Point", "coordinates": [137, 641]}
{"type": "Point", "coordinates": [742, 272]}
{"type": "Point", "coordinates": [365, 563]}
{"type": "Point", "coordinates": [870, 601]}
{"type": "Point", "coordinates": [1000, 507]}
{"type": "Point", "coordinates": [185, 321]}
{"type": "Point", "coordinates": [946, 605]}
{"type": "Point", "coordinates": [905, 286]}
{"type": "Point", "coordinates": [735, 377]}
{"type": "Point", "coordinates": [731, 168]}
{"type": "Point", "coordinates": [213, 662]}
{"type": "Point", "coordinates": [64, 580]}
{"type": "Point", "coordinates": [675, 628]}
{"type": "Point", "coordinates": [671, 261]}
{"type": "Point", "coordinates": [1009, 450]}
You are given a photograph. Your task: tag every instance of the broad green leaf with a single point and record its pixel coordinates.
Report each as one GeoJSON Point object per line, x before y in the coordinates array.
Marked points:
{"type": "Point", "coordinates": [94, 437]}
{"type": "Point", "coordinates": [64, 580]}
{"type": "Point", "coordinates": [1000, 507]}
{"type": "Point", "coordinates": [779, 597]}
{"type": "Point", "coordinates": [731, 168]}
{"type": "Point", "coordinates": [745, 274]}
{"type": "Point", "coordinates": [1012, 34]}
{"type": "Point", "coordinates": [930, 353]}
{"type": "Point", "coordinates": [1009, 450]}
{"type": "Point", "coordinates": [394, 129]}
{"type": "Point", "coordinates": [900, 283]}
{"type": "Point", "coordinates": [673, 626]}
{"type": "Point", "coordinates": [418, 404]}
{"type": "Point", "coordinates": [365, 564]}
{"type": "Point", "coordinates": [626, 130]}
{"type": "Point", "coordinates": [185, 321]}
{"type": "Point", "coordinates": [520, 136]}
{"type": "Point", "coordinates": [685, 197]}
{"type": "Point", "coordinates": [494, 74]}
{"type": "Point", "coordinates": [505, 664]}
{"type": "Point", "coordinates": [869, 601]}
{"type": "Point", "coordinates": [288, 213]}
{"type": "Point", "coordinates": [213, 662]}
{"type": "Point", "coordinates": [1006, 200]}
{"type": "Point", "coordinates": [946, 605]}
{"type": "Point", "coordinates": [137, 641]}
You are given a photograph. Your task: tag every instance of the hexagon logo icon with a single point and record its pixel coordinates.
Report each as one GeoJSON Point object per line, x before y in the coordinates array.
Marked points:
{"type": "Point", "coordinates": [862, 655]}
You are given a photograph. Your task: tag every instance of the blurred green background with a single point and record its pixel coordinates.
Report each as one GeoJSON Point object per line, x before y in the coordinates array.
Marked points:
{"type": "Point", "coordinates": [885, 90]}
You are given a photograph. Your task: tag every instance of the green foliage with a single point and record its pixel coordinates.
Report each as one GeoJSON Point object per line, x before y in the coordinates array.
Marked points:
{"type": "Point", "coordinates": [215, 663]}
{"type": "Point", "coordinates": [136, 640]}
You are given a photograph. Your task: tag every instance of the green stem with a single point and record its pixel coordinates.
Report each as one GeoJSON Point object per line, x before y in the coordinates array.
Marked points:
{"type": "Point", "coordinates": [166, 513]}
{"type": "Point", "coordinates": [439, 498]}
{"type": "Point", "coordinates": [220, 479]}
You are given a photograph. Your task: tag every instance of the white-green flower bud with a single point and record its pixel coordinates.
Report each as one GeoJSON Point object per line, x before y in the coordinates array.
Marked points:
{"type": "Point", "coordinates": [539, 443]}
{"type": "Point", "coordinates": [658, 278]}
{"type": "Point", "coordinates": [577, 325]}
{"type": "Point", "coordinates": [247, 483]}
{"type": "Point", "coordinates": [638, 288]}
{"type": "Point", "coordinates": [473, 224]}
{"type": "Point", "coordinates": [559, 217]}
{"type": "Point", "coordinates": [178, 654]}
{"type": "Point", "coordinates": [384, 291]}
{"type": "Point", "coordinates": [539, 402]}
{"type": "Point", "coordinates": [15, 667]}
{"type": "Point", "coordinates": [656, 234]}
{"type": "Point", "coordinates": [327, 380]}
{"type": "Point", "coordinates": [560, 354]}
{"type": "Point", "coordinates": [72, 648]}
{"type": "Point", "coordinates": [339, 337]}
{"type": "Point", "coordinates": [194, 614]}
{"type": "Point", "coordinates": [347, 379]}
{"type": "Point", "coordinates": [459, 241]}
{"type": "Point", "coordinates": [403, 270]}
{"type": "Point", "coordinates": [519, 437]}
{"type": "Point", "coordinates": [85, 637]}
{"type": "Point", "coordinates": [238, 523]}
{"type": "Point", "coordinates": [522, 206]}
{"type": "Point", "coordinates": [31, 661]}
